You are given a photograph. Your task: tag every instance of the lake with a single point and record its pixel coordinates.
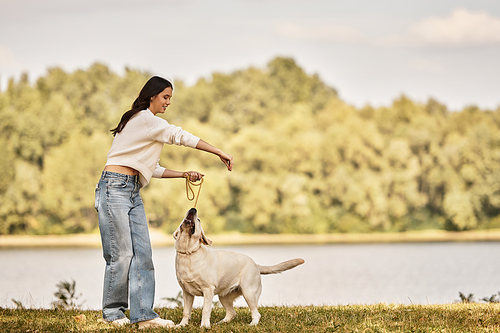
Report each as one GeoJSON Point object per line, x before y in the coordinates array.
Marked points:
{"type": "Point", "coordinates": [404, 273]}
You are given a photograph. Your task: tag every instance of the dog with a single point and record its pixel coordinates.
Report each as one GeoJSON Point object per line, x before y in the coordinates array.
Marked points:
{"type": "Point", "coordinates": [205, 272]}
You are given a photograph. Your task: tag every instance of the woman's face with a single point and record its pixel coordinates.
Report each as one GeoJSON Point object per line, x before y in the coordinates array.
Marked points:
{"type": "Point", "coordinates": [160, 102]}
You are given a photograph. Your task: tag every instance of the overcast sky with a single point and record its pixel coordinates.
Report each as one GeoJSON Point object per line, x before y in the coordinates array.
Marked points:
{"type": "Point", "coordinates": [371, 51]}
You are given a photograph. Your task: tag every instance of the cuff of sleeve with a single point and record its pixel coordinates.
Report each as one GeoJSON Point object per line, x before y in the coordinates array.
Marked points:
{"type": "Point", "coordinates": [193, 141]}
{"type": "Point", "coordinates": [158, 172]}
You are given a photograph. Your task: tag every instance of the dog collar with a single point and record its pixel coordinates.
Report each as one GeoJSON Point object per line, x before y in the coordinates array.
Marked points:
{"type": "Point", "coordinates": [189, 252]}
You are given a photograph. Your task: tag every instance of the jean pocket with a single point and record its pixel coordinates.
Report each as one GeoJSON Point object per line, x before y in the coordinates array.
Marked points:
{"type": "Point", "coordinates": [97, 197]}
{"type": "Point", "coordinates": [117, 183]}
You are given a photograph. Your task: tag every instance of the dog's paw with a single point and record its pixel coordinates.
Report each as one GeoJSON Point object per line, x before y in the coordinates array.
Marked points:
{"type": "Point", "coordinates": [225, 320]}
{"type": "Point", "coordinates": [255, 321]}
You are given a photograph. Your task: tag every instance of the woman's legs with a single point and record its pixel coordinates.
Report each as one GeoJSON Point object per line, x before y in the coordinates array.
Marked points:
{"type": "Point", "coordinates": [141, 274]}
{"type": "Point", "coordinates": [126, 249]}
{"type": "Point", "coordinates": [116, 246]}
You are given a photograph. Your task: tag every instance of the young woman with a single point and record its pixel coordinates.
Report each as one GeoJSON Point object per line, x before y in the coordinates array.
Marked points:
{"type": "Point", "coordinates": [132, 160]}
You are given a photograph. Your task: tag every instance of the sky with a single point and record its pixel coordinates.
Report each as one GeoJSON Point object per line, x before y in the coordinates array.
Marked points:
{"type": "Point", "coordinates": [370, 51]}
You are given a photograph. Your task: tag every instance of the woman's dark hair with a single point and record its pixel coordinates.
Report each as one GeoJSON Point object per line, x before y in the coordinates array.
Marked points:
{"type": "Point", "coordinates": [153, 87]}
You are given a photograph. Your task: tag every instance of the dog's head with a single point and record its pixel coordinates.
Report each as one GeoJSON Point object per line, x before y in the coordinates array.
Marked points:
{"type": "Point", "coordinates": [189, 235]}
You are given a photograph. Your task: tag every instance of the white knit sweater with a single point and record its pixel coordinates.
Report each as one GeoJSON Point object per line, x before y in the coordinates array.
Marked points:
{"type": "Point", "coordinates": [139, 144]}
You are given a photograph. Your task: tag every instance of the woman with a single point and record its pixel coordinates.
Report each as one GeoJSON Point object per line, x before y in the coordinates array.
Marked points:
{"type": "Point", "coordinates": [132, 160]}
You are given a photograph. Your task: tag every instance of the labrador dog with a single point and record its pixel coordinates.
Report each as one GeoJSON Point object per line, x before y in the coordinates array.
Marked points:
{"type": "Point", "coordinates": [205, 272]}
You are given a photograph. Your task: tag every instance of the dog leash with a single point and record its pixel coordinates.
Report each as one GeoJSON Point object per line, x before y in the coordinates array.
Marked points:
{"type": "Point", "coordinates": [189, 188]}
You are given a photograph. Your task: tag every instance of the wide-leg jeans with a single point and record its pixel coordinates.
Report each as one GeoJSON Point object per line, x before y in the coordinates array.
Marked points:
{"type": "Point", "coordinates": [126, 248]}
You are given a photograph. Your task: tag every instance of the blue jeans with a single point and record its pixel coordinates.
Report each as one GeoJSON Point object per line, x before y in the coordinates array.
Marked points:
{"type": "Point", "coordinates": [126, 248]}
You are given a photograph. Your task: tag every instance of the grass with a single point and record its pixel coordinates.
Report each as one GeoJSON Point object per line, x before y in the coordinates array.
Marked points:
{"type": "Point", "coordinates": [460, 317]}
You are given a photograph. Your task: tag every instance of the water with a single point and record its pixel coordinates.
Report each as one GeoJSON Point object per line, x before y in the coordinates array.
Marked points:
{"type": "Point", "coordinates": [418, 273]}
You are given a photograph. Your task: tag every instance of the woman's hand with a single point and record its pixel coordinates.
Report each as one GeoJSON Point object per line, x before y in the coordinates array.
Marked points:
{"type": "Point", "coordinates": [227, 160]}
{"type": "Point", "coordinates": [194, 175]}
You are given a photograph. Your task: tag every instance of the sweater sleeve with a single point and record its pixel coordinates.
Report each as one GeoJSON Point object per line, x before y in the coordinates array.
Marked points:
{"type": "Point", "coordinates": [159, 170]}
{"type": "Point", "coordinates": [159, 129]}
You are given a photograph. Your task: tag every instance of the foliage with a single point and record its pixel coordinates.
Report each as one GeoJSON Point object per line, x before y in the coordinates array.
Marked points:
{"type": "Point", "coordinates": [471, 317]}
{"type": "Point", "coordinates": [492, 299]}
{"type": "Point", "coordinates": [19, 304]}
{"type": "Point", "coordinates": [470, 298]}
{"type": "Point", "coordinates": [177, 300]}
{"type": "Point", "coordinates": [466, 299]}
{"type": "Point", "coordinates": [305, 161]}
{"type": "Point", "coordinates": [66, 296]}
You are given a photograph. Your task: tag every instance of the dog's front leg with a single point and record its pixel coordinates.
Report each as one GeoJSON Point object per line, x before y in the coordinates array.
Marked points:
{"type": "Point", "coordinates": [208, 296]}
{"type": "Point", "coordinates": [188, 306]}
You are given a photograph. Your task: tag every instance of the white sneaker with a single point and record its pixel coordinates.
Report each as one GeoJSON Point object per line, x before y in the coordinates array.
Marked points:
{"type": "Point", "coordinates": [118, 322]}
{"type": "Point", "coordinates": [157, 322]}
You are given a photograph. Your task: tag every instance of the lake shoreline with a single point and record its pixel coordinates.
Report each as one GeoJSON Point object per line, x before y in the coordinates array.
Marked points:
{"type": "Point", "coordinates": [160, 239]}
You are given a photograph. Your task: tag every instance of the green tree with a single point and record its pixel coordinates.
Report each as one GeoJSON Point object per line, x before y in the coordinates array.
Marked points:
{"type": "Point", "coordinates": [305, 161]}
{"type": "Point", "coordinates": [69, 179]}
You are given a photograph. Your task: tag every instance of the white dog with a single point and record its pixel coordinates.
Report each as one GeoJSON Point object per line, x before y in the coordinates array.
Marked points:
{"type": "Point", "coordinates": [206, 272]}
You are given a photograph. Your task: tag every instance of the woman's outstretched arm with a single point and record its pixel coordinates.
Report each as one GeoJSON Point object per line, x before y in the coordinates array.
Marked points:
{"type": "Point", "coordinates": [225, 158]}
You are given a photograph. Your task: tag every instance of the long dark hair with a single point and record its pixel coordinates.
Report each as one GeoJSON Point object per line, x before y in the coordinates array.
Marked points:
{"type": "Point", "coordinates": [153, 87]}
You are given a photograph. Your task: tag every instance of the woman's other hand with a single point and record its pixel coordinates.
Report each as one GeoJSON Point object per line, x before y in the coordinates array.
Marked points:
{"type": "Point", "coordinates": [194, 175]}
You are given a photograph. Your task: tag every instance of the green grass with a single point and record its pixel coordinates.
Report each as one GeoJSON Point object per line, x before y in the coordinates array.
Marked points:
{"type": "Point", "coordinates": [473, 317]}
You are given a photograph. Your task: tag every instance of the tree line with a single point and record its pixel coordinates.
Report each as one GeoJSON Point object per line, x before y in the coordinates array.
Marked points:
{"type": "Point", "coordinates": [305, 161]}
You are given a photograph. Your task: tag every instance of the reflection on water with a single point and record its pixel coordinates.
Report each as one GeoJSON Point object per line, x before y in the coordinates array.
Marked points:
{"type": "Point", "coordinates": [419, 273]}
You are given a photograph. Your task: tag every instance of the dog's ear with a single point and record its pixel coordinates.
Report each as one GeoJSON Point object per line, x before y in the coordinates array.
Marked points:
{"type": "Point", "coordinates": [176, 234]}
{"type": "Point", "coordinates": [204, 239]}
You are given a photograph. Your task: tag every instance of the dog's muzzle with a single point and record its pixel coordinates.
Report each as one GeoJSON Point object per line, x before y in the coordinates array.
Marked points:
{"type": "Point", "coordinates": [191, 212]}
{"type": "Point", "coordinates": [189, 220]}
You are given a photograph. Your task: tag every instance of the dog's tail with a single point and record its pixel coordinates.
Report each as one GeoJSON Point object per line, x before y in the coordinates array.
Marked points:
{"type": "Point", "coordinates": [281, 267]}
